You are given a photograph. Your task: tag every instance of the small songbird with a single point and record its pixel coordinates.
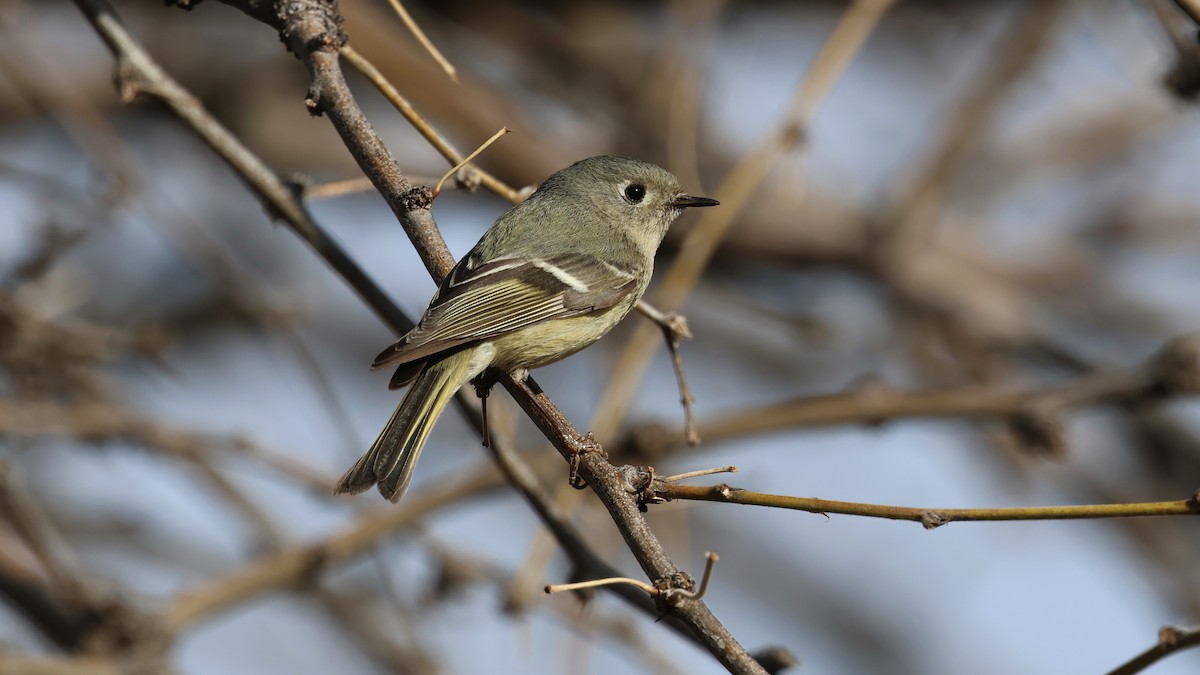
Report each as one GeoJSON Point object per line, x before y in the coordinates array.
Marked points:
{"type": "Point", "coordinates": [550, 277]}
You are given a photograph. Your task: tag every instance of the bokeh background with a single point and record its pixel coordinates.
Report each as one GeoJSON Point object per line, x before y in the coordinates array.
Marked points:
{"type": "Point", "coordinates": [994, 196]}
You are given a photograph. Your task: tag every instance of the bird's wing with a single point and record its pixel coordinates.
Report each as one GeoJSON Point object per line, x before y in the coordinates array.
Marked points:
{"type": "Point", "coordinates": [481, 300]}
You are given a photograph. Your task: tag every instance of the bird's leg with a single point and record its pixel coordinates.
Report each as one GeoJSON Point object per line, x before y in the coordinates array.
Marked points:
{"type": "Point", "coordinates": [483, 388]}
{"type": "Point", "coordinates": [578, 445]}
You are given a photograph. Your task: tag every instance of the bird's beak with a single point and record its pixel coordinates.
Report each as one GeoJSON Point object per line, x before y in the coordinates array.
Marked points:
{"type": "Point", "coordinates": [683, 201]}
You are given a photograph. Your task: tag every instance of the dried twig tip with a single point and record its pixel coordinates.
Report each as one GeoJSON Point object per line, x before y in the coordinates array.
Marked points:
{"type": "Point", "coordinates": [467, 160]}
{"type": "Point", "coordinates": [556, 588]}
{"type": "Point", "coordinates": [702, 472]}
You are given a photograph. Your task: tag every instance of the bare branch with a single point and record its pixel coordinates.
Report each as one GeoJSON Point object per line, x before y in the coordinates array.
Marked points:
{"type": "Point", "coordinates": [296, 566]}
{"type": "Point", "coordinates": [1171, 639]}
{"type": "Point", "coordinates": [661, 490]}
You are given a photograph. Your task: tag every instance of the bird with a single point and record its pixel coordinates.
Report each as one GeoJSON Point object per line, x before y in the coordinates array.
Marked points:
{"type": "Point", "coordinates": [550, 277]}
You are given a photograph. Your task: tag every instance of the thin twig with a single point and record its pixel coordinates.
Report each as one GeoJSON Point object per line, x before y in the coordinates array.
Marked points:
{"type": "Point", "coordinates": [442, 61]}
{"type": "Point", "coordinates": [651, 590]}
{"type": "Point", "coordinates": [349, 186]}
{"type": "Point", "coordinates": [597, 583]}
{"type": "Point", "coordinates": [696, 474]}
{"type": "Point", "coordinates": [105, 422]}
{"type": "Point", "coordinates": [338, 188]}
{"type": "Point", "coordinates": [437, 189]}
{"type": "Point", "coordinates": [1172, 371]}
{"type": "Point", "coordinates": [675, 328]}
{"type": "Point", "coordinates": [293, 567]}
{"type": "Point", "coordinates": [930, 518]}
{"type": "Point", "coordinates": [457, 568]}
{"type": "Point", "coordinates": [474, 175]}
{"type": "Point", "coordinates": [26, 516]}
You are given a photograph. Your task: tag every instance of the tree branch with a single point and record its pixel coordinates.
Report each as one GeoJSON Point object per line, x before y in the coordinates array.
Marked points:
{"type": "Point", "coordinates": [1034, 413]}
{"type": "Point", "coordinates": [663, 490]}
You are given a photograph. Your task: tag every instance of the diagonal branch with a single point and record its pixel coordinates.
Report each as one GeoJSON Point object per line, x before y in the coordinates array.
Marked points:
{"type": "Point", "coordinates": [1171, 639]}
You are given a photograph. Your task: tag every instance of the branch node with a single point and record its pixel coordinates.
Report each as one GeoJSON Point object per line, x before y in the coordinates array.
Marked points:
{"type": "Point", "coordinates": [1168, 636]}
{"type": "Point", "coordinates": [312, 565]}
{"type": "Point", "coordinates": [872, 395]}
{"type": "Point", "coordinates": [127, 81]}
{"type": "Point", "coordinates": [931, 520]}
{"type": "Point", "coordinates": [417, 198]}
{"type": "Point", "coordinates": [695, 595]}
{"type": "Point", "coordinates": [310, 26]}
{"type": "Point", "coordinates": [674, 586]}
{"type": "Point", "coordinates": [312, 99]}
{"type": "Point", "coordinates": [676, 325]}
{"type": "Point", "coordinates": [641, 482]}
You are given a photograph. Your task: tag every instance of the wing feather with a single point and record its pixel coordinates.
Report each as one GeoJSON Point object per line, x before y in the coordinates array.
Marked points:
{"type": "Point", "coordinates": [481, 300]}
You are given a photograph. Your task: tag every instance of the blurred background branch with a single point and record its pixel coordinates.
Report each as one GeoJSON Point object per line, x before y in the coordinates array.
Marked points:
{"type": "Point", "coordinates": [981, 213]}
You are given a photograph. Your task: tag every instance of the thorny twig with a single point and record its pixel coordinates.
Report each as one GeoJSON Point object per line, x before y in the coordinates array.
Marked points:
{"type": "Point", "coordinates": [675, 328]}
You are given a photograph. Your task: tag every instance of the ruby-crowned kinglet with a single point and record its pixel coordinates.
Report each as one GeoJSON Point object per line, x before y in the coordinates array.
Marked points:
{"type": "Point", "coordinates": [550, 277]}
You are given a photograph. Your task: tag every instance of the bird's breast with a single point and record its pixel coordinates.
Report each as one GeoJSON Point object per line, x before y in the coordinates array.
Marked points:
{"type": "Point", "coordinates": [544, 343]}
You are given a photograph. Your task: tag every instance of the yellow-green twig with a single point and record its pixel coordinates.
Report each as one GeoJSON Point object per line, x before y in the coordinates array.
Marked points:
{"type": "Point", "coordinates": [928, 517]}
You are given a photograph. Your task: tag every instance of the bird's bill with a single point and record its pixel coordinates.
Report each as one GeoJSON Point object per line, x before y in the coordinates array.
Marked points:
{"type": "Point", "coordinates": [684, 201]}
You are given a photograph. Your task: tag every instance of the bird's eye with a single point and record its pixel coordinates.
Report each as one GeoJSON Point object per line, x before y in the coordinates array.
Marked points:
{"type": "Point", "coordinates": [635, 192]}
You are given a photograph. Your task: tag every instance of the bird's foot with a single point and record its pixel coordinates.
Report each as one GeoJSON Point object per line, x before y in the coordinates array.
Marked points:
{"type": "Point", "coordinates": [578, 445]}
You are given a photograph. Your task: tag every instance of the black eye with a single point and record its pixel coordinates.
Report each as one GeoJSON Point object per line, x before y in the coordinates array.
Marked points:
{"type": "Point", "coordinates": [635, 192]}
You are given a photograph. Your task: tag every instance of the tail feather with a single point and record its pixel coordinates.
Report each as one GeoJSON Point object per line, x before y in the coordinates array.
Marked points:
{"type": "Point", "coordinates": [390, 461]}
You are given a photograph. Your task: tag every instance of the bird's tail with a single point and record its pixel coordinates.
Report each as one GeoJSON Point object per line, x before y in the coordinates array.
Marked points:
{"type": "Point", "coordinates": [392, 457]}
